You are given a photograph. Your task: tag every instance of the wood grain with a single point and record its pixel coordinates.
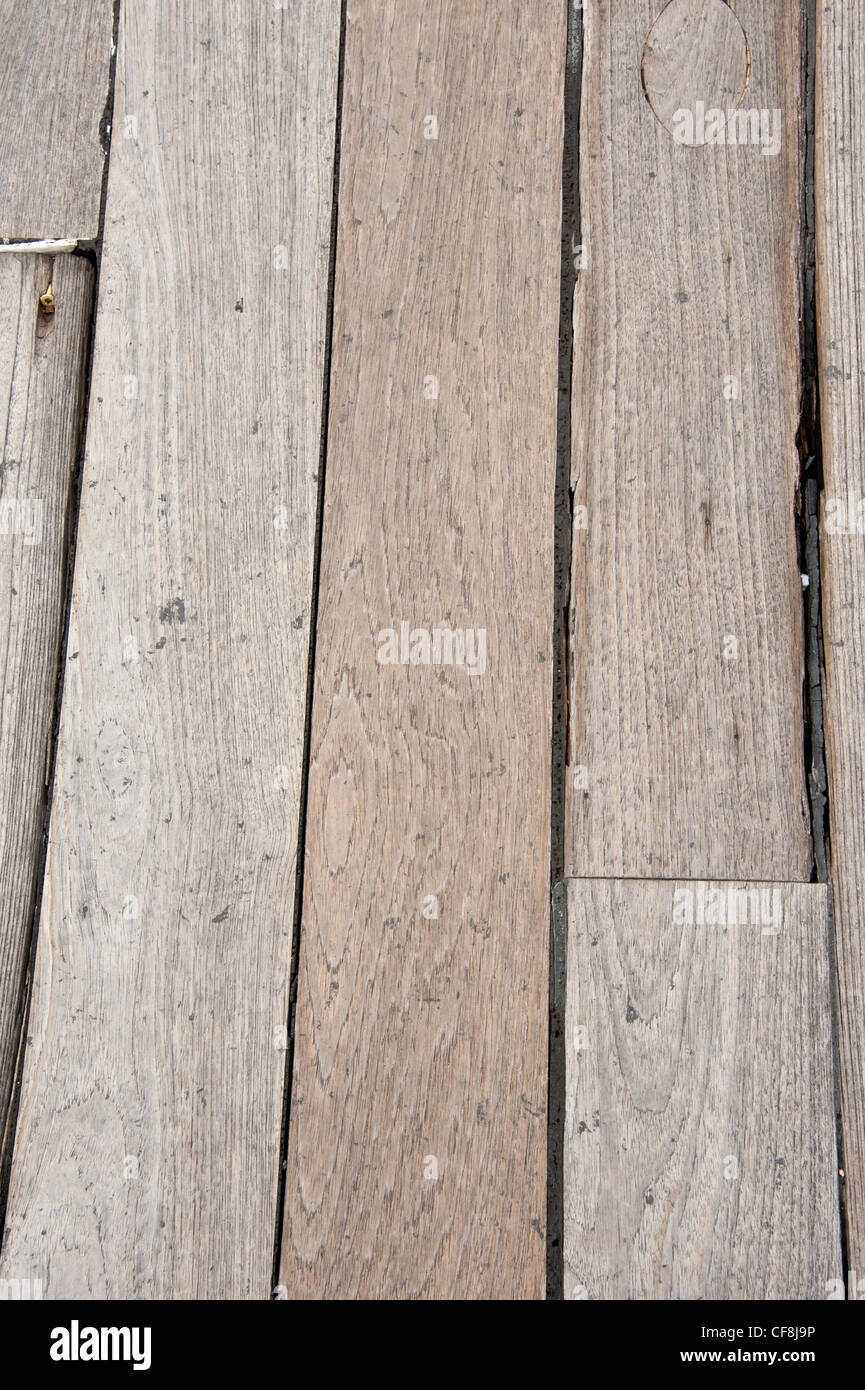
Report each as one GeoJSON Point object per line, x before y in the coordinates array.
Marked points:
{"type": "Point", "coordinates": [147, 1154]}
{"type": "Point", "coordinates": [700, 1155]}
{"type": "Point", "coordinates": [417, 1135]}
{"type": "Point", "coordinates": [54, 69]}
{"type": "Point", "coordinates": [42, 369]}
{"type": "Point", "coordinates": [840, 232]}
{"type": "Point", "coordinates": [694, 52]}
{"type": "Point", "coordinates": [686, 743]}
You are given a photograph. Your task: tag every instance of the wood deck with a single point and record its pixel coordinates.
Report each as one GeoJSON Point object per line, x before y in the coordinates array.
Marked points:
{"type": "Point", "coordinates": [286, 509]}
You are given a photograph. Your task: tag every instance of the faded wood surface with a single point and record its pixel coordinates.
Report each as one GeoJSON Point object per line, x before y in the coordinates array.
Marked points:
{"type": "Point", "coordinates": [840, 234]}
{"type": "Point", "coordinates": [148, 1145]}
{"type": "Point", "coordinates": [42, 364]}
{"type": "Point", "coordinates": [700, 1156]}
{"type": "Point", "coordinates": [417, 1138]}
{"type": "Point", "coordinates": [686, 751]}
{"type": "Point", "coordinates": [54, 66]}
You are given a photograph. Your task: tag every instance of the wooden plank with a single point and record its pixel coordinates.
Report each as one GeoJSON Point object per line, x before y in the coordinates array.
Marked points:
{"type": "Point", "coordinates": [417, 1135]}
{"type": "Point", "coordinates": [686, 743]}
{"type": "Point", "coordinates": [42, 370]}
{"type": "Point", "coordinates": [54, 70]}
{"type": "Point", "coordinates": [147, 1154]}
{"type": "Point", "coordinates": [840, 227]}
{"type": "Point", "coordinates": [700, 1155]}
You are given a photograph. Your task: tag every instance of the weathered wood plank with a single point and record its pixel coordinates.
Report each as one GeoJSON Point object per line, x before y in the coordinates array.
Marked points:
{"type": "Point", "coordinates": [840, 234]}
{"type": "Point", "coordinates": [700, 1153]}
{"type": "Point", "coordinates": [686, 745]}
{"type": "Point", "coordinates": [54, 67]}
{"type": "Point", "coordinates": [42, 369]}
{"type": "Point", "coordinates": [417, 1135]}
{"type": "Point", "coordinates": [147, 1155]}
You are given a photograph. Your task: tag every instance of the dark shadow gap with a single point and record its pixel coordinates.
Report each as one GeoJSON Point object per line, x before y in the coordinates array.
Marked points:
{"type": "Point", "coordinates": [563, 524]}
{"type": "Point", "coordinates": [809, 442]}
{"type": "Point", "coordinates": [811, 483]}
{"type": "Point", "coordinates": [310, 680]}
{"type": "Point", "coordinates": [90, 251]}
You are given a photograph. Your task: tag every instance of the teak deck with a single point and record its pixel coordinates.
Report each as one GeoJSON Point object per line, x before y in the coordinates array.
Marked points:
{"type": "Point", "coordinates": [278, 566]}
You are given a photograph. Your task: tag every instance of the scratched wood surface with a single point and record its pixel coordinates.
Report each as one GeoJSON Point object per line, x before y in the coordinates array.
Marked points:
{"type": "Point", "coordinates": [840, 232]}
{"type": "Point", "coordinates": [54, 69]}
{"type": "Point", "coordinates": [700, 1157]}
{"type": "Point", "coordinates": [148, 1146]}
{"type": "Point", "coordinates": [417, 1137]}
{"type": "Point", "coordinates": [42, 364]}
{"type": "Point", "coordinates": [686, 749]}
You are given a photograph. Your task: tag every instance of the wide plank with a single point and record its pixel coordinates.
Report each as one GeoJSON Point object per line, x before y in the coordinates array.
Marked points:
{"type": "Point", "coordinates": [54, 72]}
{"type": "Point", "coordinates": [42, 378]}
{"type": "Point", "coordinates": [148, 1148]}
{"type": "Point", "coordinates": [686, 654]}
{"type": "Point", "coordinates": [700, 1156]}
{"type": "Point", "coordinates": [417, 1133]}
{"type": "Point", "coordinates": [840, 234]}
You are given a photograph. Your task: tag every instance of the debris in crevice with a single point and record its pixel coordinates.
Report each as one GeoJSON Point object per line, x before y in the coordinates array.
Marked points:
{"type": "Point", "coordinates": [808, 442]}
{"type": "Point", "coordinates": [571, 261]}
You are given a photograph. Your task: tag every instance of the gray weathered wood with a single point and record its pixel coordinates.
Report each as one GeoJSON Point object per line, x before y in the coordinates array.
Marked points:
{"type": "Point", "coordinates": [840, 229]}
{"type": "Point", "coordinates": [42, 365]}
{"type": "Point", "coordinates": [686, 751]}
{"type": "Point", "coordinates": [694, 52]}
{"type": "Point", "coordinates": [147, 1155]}
{"type": "Point", "coordinates": [417, 1137]}
{"type": "Point", "coordinates": [54, 65]}
{"type": "Point", "coordinates": [700, 1135]}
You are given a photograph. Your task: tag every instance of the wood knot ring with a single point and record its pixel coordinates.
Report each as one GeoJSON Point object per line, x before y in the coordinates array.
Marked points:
{"type": "Point", "coordinates": [696, 58]}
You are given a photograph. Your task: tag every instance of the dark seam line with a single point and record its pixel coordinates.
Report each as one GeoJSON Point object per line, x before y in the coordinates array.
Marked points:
{"type": "Point", "coordinates": [313, 624]}
{"type": "Point", "coordinates": [810, 445]}
{"type": "Point", "coordinates": [563, 526]}
{"type": "Point", "coordinates": [90, 251]}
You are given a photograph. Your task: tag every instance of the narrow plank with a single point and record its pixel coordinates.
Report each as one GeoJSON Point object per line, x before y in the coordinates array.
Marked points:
{"type": "Point", "coordinates": [42, 369]}
{"type": "Point", "coordinates": [840, 227]}
{"type": "Point", "coordinates": [54, 70]}
{"type": "Point", "coordinates": [686, 744]}
{"type": "Point", "coordinates": [417, 1137]}
{"type": "Point", "coordinates": [700, 1155]}
{"type": "Point", "coordinates": [147, 1154]}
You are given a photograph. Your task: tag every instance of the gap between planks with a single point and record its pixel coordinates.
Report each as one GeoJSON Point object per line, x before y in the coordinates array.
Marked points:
{"type": "Point", "coordinates": [43, 362]}
{"type": "Point", "coordinates": [147, 1164]}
